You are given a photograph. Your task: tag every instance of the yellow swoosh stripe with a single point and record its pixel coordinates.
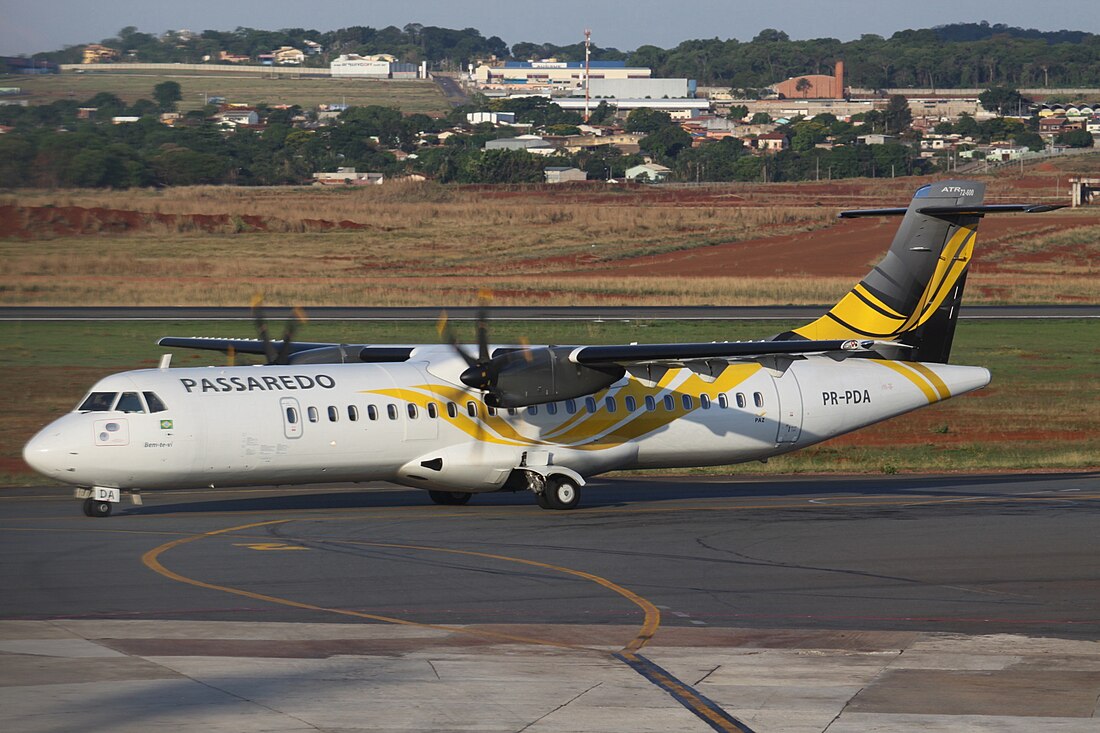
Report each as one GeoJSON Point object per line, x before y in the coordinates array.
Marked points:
{"type": "Point", "coordinates": [904, 369]}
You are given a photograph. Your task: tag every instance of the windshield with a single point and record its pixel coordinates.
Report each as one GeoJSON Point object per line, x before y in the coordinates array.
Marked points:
{"type": "Point", "coordinates": [98, 402]}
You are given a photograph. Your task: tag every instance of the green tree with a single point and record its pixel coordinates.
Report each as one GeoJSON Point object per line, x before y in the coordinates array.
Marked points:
{"type": "Point", "coordinates": [667, 142]}
{"type": "Point", "coordinates": [897, 116]}
{"type": "Point", "coordinates": [167, 94]}
{"type": "Point", "coordinates": [1075, 139]}
{"type": "Point", "coordinates": [647, 120]}
{"type": "Point", "coordinates": [1003, 100]}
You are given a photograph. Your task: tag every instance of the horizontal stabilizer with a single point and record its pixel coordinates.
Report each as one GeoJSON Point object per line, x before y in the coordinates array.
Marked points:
{"type": "Point", "coordinates": [957, 210]}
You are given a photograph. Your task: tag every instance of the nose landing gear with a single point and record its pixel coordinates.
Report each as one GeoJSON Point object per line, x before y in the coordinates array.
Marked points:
{"type": "Point", "coordinates": [97, 508]}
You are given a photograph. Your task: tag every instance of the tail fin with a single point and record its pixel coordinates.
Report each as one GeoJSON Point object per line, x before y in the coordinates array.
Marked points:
{"type": "Point", "coordinates": [912, 296]}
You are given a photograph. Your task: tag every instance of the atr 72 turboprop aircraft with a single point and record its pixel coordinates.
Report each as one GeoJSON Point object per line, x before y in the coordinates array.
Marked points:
{"type": "Point", "coordinates": [456, 421]}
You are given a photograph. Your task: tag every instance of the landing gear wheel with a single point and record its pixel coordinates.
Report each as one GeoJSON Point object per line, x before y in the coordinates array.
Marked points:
{"type": "Point", "coordinates": [450, 498]}
{"type": "Point", "coordinates": [543, 500]}
{"type": "Point", "coordinates": [97, 508]}
{"type": "Point", "coordinates": [562, 493]}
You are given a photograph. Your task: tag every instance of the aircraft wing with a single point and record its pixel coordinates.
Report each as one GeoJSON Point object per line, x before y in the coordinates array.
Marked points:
{"type": "Point", "coordinates": [677, 353]}
{"type": "Point", "coordinates": [299, 351]}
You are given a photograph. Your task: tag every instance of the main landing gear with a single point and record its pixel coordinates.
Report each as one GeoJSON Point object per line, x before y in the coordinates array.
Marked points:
{"type": "Point", "coordinates": [98, 501]}
{"type": "Point", "coordinates": [559, 492]}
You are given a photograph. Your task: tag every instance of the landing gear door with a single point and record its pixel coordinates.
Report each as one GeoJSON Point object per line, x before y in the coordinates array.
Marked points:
{"type": "Point", "coordinates": [292, 417]}
{"type": "Point", "coordinates": [790, 407]}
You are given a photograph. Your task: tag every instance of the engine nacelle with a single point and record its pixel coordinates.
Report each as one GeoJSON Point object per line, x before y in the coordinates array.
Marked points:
{"type": "Point", "coordinates": [535, 376]}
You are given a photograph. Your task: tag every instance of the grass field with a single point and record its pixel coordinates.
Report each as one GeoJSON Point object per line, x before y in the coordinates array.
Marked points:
{"type": "Point", "coordinates": [426, 244]}
{"type": "Point", "coordinates": [1039, 412]}
{"type": "Point", "coordinates": [407, 95]}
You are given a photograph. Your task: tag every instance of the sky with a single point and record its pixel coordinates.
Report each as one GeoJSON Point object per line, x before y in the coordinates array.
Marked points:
{"type": "Point", "coordinates": [28, 26]}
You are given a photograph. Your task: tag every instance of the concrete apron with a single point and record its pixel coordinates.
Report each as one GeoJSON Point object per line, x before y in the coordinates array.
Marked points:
{"type": "Point", "coordinates": [289, 677]}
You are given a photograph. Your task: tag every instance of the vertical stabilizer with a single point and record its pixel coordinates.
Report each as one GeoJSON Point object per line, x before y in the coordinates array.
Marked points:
{"type": "Point", "coordinates": [912, 296]}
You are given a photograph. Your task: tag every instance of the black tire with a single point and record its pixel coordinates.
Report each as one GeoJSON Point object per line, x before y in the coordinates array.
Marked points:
{"type": "Point", "coordinates": [543, 500]}
{"type": "Point", "coordinates": [87, 506]}
{"type": "Point", "coordinates": [101, 508]}
{"type": "Point", "coordinates": [562, 492]}
{"type": "Point", "coordinates": [450, 498]}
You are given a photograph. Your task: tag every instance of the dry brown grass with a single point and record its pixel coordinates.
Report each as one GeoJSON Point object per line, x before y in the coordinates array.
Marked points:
{"type": "Point", "coordinates": [426, 244]}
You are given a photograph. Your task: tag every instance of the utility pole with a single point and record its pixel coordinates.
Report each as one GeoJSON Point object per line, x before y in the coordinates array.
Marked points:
{"type": "Point", "coordinates": [587, 56]}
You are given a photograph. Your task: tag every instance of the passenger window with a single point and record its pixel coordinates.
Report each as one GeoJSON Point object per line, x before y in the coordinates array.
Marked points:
{"type": "Point", "coordinates": [98, 402]}
{"type": "Point", "coordinates": [670, 404]}
{"type": "Point", "coordinates": [686, 401]}
{"type": "Point", "coordinates": [372, 412]}
{"type": "Point", "coordinates": [590, 404]}
{"type": "Point", "coordinates": [391, 411]}
{"type": "Point", "coordinates": [291, 415]}
{"type": "Point", "coordinates": [511, 411]}
{"type": "Point", "coordinates": [411, 409]}
{"type": "Point", "coordinates": [740, 399]}
{"type": "Point", "coordinates": [452, 410]}
{"type": "Point", "coordinates": [492, 411]}
{"type": "Point", "coordinates": [609, 403]}
{"type": "Point", "coordinates": [353, 413]}
{"type": "Point", "coordinates": [571, 406]}
{"type": "Point", "coordinates": [758, 398]}
{"type": "Point", "coordinates": [551, 408]}
{"type": "Point", "coordinates": [723, 401]}
{"type": "Point", "coordinates": [471, 408]}
{"type": "Point", "coordinates": [130, 402]}
{"type": "Point", "coordinates": [704, 401]}
{"type": "Point", "coordinates": [650, 403]}
{"type": "Point", "coordinates": [433, 410]}
{"type": "Point", "coordinates": [631, 403]}
{"type": "Point", "coordinates": [154, 402]}
{"type": "Point", "coordinates": [333, 413]}
{"type": "Point", "coordinates": [533, 410]}
{"type": "Point", "coordinates": [313, 414]}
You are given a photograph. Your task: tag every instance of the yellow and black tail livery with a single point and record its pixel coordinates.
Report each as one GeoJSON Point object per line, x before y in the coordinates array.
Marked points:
{"type": "Point", "coordinates": [912, 296]}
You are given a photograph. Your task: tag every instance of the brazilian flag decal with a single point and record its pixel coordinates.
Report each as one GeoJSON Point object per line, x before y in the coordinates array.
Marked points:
{"type": "Point", "coordinates": [165, 424]}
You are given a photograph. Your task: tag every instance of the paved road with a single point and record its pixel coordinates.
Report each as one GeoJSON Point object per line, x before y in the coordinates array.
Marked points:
{"type": "Point", "coordinates": [791, 604]}
{"type": "Point", "coordinates": [504, 313]}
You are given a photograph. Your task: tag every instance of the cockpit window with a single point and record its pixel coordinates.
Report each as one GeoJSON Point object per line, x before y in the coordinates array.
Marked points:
{"type": "Point", "coordinates": [130, 402]}
{"type": "Point", "coordinates": [154, 402]}
{"type": "Point", "coordinates": [98, 402]}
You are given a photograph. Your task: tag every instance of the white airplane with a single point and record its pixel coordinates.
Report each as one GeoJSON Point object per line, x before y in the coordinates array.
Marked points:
{"type": "Point", "coordinates": [457, 422]}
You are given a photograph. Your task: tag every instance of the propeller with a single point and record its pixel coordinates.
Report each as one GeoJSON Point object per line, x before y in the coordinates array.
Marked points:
{"type": "Point", "coordinates": [527, 375]}
{"type": "Point", "coordinates": [283, 353]}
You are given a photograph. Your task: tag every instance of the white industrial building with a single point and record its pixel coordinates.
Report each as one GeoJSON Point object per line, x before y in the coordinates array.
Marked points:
{"type": "Point", "coordinates": [381, 66]}
{"type": "Point", "coordinates": [553, 74]}
{"type": "Point", "coordinates": [639, 88]}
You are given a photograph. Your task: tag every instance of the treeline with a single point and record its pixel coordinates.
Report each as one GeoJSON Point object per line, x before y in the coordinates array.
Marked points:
{"type": "Point", "coordinates": [963, 55]}
{"type": "Point", "coordinates": [51, 146]}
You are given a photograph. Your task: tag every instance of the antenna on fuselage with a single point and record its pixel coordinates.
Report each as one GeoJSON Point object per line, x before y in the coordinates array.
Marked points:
{"type": "Point", "coordinates": [165, 361]}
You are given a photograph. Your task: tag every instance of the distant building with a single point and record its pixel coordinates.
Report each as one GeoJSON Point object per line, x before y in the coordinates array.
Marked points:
{"type": "Point", "coordinates": [348, 177]}
{"type": "Point", "coordinates": [288, 56]}
{"type": "Point", "coordinates": [233, 58]}
{"type": "Point", "coordinates": [647, 88]}
{"type": "Point", "coordinates": [562, 174]}
{"type": "Point", "coordinates": [124, 119]}
{"type": "Point", "coordinates": [313, 48]}
{"type": "Point", "coordinates": [496, 118]}
{"type": "Point", "coordinates": [651, 172]}
{"type": "Point", "coordinates": [772, 142]}
{"type": "Point", "coordinates": [531, 143]}
{"type": "Point", "coordinates": [813, 86]}
{"type": "Point", "coordinates": [238, 116]}
{"type": "Point", "coordinates": [876, 139]}
{"type": "Point", "coordinates": [550, 73]}
{"type": "Point", "coordinates": [351, 64]}
{"type": "Point", "coordinates": [97, 54]}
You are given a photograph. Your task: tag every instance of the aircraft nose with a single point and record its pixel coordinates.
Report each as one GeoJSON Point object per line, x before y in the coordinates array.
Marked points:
{"type": "Point", "coordinates": [46, 452]}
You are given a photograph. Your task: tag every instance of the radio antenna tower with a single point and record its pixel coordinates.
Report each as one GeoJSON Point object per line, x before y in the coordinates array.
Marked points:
{"type": "Point", "coordinates": [587, 55]}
